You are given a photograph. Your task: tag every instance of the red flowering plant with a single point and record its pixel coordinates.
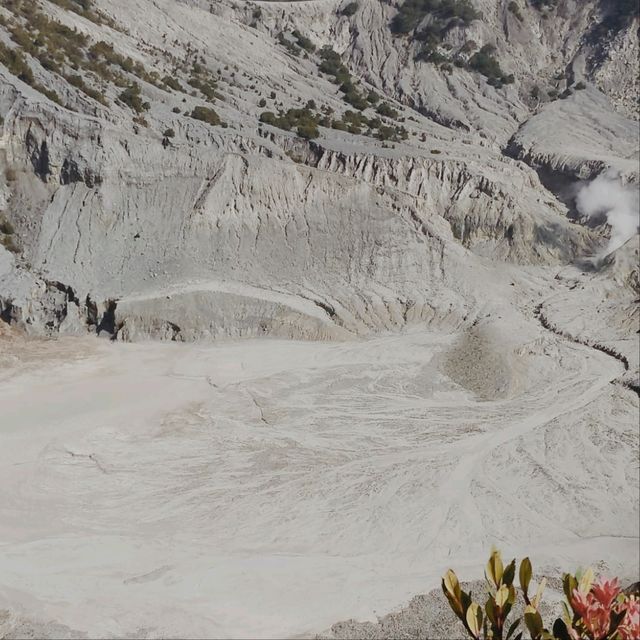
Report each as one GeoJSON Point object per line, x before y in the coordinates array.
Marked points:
{"type": "Point", "coordinates": [595, 609]}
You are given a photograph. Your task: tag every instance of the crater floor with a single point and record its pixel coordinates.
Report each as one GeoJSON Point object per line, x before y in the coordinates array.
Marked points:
{"type": "Point", "coordinates": [268, 488]}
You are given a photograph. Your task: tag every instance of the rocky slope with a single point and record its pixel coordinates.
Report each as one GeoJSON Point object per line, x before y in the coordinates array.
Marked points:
{"type": "Point", "coordinates": [260, 224]}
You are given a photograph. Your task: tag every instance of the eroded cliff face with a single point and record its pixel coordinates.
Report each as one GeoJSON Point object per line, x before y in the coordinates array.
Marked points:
{"type": "Point", "coordinates": [164, 225]}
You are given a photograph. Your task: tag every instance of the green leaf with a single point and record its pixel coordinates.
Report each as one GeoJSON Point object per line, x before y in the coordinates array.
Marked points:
{"type": "Point", "coordinates": [474, 619]}
{"type": "Point", "coordinates": [495, 568]}
{"type": "Point", "coordinates": [533, 621]}
{"type": "Point", "coordinates": [569, 584]}
{"type": "Point", "coordinates": [465, 599]}
{"type": "Point", "coordinates": [509, 573]}
{"type": "Point", "coordinates": [490, 608]}
{"type": "Point", "coordinates": [560, 630]}
{"type": "Point", "coordinates": [525, 574]}
{"type": "Point", "coordinates": [450, 583]}
{"type": "Point", "coordinates": [455, 605]}
{"type": "Point", "coordinates": [502, 596]}
{"type": "Point", "coordinates": [512, 628]}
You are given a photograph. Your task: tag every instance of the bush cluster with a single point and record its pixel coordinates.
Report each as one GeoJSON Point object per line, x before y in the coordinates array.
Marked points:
{"type": "Point", "coordinates": [295, 42]}
{"type": "Point", "coordinates": [85, 9]}
{"type": "Point", "coordinates": [331, 64]}
{"type": "Point", "coordinates": [442, 14]}
{"type": "Point", "coordinates": [485, 63]}
{"type": "Point", "coordinates": [304, 121]}
{"type": "Point", "coordinates": [206, 114]}
{"type": "Point", "coordinates": [132, 97]}
{"type": "Point", "coordinates": [7, 237]}
{"type": "Point", "coordinates": [203, 81]}
{"type": "Point", "coordinates": [349, 9]}
{"type": "Point", "coordinates": [87, 67]}
{"type": "Point", "coordinates": [515, 10]}
{"type": "Point", "coordinates": [19, 67]}
{"type": "Point", "coordinates": [429, 21]}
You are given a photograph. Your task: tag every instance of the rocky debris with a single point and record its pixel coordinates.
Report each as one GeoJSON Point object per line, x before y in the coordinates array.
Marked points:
{"type": "Point", "coordinates": [13, 627]}
{"type": "Point", "coordinates": [429, 617]}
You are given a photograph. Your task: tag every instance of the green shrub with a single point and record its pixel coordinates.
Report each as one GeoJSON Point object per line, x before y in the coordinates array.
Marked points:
{"type": "Point", "coordinates": [373, 97]}
{"type": "Point", "coordinates": [443, 13]}
{"type": "Point", "coordinates": [6, 227]}
{"type": "Point", "coordinates": [169, 133]}
{"type": "Point", "coordinates": [207, 87]}
{"type": "Point", "coordinates": [291, 47]}
{"type": "Point", "coordinates": [349, 9]}
{"type": "Point", "coordinates": [85, 9]}
{"type": "Point", "coordinates": [429, 54]}
{"type": "Point", "coordinates": [485, 63]}
{"type": "Point", "coordinates": [303, 41]}
{"type": "Point", "coordinates": [386, 110]}
{"type": "Point", "coordinates": [332, 65]}
{"type": "Point", "coordinates": [76, 81]}
{"type": "Point", "coordinates": [172, 83]}
{"type": "Point", "coordinates": [385, 133]}
{"type": "Point", "coordinates": [515, 9]}
{"type": "Point", "coordinates": [308, 130]}
{"type": "Point", "coordinates": [356, 100]}
{"type": "Point", "coordinates": [132, 98]}
{"type": "Point", "coordinates": [16, 64]}
{"type": "Point", "coordinates": [262, 102]}
{"type": "Point", "coordinates": [206, 114]}
{"type": "Point", "coordinates": [9, 243]}
{"type": "Point", "coordinates": [304, 121]}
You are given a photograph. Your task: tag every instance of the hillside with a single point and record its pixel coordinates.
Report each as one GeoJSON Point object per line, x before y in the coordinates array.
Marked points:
{"type": "Point", "coordinates": [400, 240]}
{"type": "Point", "coordinates": [118, 192]}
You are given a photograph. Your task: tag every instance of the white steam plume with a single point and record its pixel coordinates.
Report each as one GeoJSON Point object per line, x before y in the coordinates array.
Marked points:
{"type": "Point", "coordinates": [620, 203]}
